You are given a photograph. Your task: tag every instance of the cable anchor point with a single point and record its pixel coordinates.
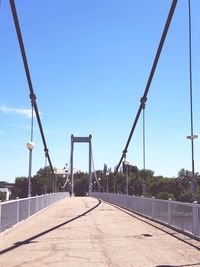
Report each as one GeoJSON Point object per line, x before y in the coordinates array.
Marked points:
{"type": "Point", "coordinates": [33, 98]}
{"type": "Point", "coordinates": [143, 101]}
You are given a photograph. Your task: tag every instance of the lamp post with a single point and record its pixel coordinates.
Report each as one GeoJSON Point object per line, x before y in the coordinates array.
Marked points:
{"type": "Point", "coordinates": [126, 164]}
{"type": "Point", "coordinates": [193, 182]}
{"type": "Point", "coordinates": [30, 146]}
{"type": "Point", "coordinates": [192, 136]}
{"type": "Point", "coordinates": [94, 186]}
{"type": "Point", "coordinates": [99, 179]}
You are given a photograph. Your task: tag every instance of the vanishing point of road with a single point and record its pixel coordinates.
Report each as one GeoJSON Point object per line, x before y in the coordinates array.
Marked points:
{"type": "Point", "coordinates": [84, 231]}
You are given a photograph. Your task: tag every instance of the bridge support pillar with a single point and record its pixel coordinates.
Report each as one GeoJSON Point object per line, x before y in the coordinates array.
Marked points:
{"type": "Point", "coordinates": [81, 140]}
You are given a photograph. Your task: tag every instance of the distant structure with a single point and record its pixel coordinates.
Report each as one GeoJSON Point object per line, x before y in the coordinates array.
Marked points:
{"type": "Point", "coordinates": [6, 188]}
{"type": "Point", "coordinates": [81, 140]}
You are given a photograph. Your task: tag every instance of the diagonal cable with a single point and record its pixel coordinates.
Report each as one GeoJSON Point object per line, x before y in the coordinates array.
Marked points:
{"type": "Point", "coordinates": [95, 175]}
{"type": "Point", "coordinates": [67, 177]}
{"type": "Point", "coordinates": [144, 97]}
{"type": "Point", "coordinates": [28, 76]}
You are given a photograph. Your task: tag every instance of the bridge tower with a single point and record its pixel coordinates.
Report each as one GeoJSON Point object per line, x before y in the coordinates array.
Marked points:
{"type": "Point", "coordinates": [81, 140]}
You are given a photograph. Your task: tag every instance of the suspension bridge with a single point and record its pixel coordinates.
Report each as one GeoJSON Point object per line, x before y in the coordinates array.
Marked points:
{"type": "Point", "coordinates": [102, 228]}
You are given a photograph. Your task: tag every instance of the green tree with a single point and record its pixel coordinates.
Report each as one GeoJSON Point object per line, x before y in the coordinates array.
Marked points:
{"type": "Point", "coordinates": [165, 195]}
{"type": "Point", "coordinates": [20, 188]}
{"type": "Point", "coordinates": [2, 196]}
{"type": "Point", "coordinates": [42, 182]}
{"type": "Point", "coordinates": [81, 184]}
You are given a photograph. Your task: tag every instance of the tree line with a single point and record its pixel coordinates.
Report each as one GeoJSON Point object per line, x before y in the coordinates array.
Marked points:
{"type": "Point", "coordinates": [140, 182]}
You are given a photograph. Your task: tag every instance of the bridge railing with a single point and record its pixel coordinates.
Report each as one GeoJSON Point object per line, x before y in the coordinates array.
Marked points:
{"type": "Point", "coordinates": [179, 215]}
{"type": "Point", "coordinates": [14, 211]}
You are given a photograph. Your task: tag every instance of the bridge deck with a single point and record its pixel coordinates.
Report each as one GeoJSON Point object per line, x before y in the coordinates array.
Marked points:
{"type": "Point", "coordinates": [70, 234]}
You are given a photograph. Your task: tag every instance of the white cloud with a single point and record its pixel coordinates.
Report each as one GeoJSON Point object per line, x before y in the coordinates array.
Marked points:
{"type": "Point", "coordinates": [21, 111]}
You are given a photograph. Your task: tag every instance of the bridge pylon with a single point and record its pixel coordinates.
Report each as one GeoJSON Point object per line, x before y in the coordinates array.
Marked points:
{"type": "Point", "coordinates": [81, 140]}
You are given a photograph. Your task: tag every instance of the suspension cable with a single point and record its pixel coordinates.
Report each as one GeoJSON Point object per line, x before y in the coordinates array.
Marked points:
{"type": "Point", "coordinates": [31, 122]}
{"type": "Point", "coordinates": [67, 177]}
{"type": "Point", "coordinates": [95, 175]}
{"type": "Point", "coordinates": [45, 159]}
{"type": "Point", "coordinates": [144, 140]}
{"type": "Point", "coordinates": [144, 152]}
{"type": "Point", "coordinates": [32, 94]}
{"type": "Point", "coordinates": [144, 98]}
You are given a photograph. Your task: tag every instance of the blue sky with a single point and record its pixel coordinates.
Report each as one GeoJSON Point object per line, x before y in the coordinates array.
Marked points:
{"type": "Point", "coordinates": [89, 61]}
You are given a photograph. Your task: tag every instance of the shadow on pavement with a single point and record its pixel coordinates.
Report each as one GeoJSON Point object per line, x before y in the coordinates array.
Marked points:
{"type": "Point", "coordinates": [184, 265]}
{"type": "Point", "coordinates": [161, 229]}
{"type": "Point", "coordinates": [31, 239]}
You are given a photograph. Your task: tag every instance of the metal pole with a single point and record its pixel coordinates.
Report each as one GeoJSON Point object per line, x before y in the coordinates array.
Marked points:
{"type": "Point", "coordinates": [90, 165]}
{"type": "Point", "coordinates": [191, 103]}
{"type": "Point", "coordinates": [144, 152]}
{"type": "Point", "coordinates": [30, 156]}
{"type": "Point", "coordinates": [127, 179]}
{"type": "Point", "coordinates": [29, 173]}
{"type": "Point", "coordinates": [71, 169]}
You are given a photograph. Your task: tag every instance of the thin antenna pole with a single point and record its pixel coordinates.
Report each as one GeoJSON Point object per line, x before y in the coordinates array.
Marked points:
{"type": "Point", "coordinates": [144, 153]}
{"type": "Point", "coordinates": [191, 101]}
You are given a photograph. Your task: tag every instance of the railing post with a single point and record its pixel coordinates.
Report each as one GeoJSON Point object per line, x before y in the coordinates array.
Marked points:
{"type": "Point", "coordinates": [17, 198]}
{"type": "Point", "coordinates": [153, 208]}
{"type": "Point", "coordinates": [194, 218]}
{"type": "Point", "coordinates": [133, 202]}
{"type": "Point", "coordinates": [169, 211]}
{"type": "Point", "coordinates": [36, 203]}
{"type": "Point", "coordinates": [29, 206]}
{"type": "Point", "coordinates": [142, 205]}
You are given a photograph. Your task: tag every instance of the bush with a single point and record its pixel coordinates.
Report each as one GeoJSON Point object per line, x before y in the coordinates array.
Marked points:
{"type": "Point", "coordinates": [165, 195]}
{"type": "Point", "coordinates": [2, 196]}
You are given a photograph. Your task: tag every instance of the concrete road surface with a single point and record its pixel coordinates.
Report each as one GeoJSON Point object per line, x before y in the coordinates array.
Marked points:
{"type": "Point", "coordinates": [86, 232]}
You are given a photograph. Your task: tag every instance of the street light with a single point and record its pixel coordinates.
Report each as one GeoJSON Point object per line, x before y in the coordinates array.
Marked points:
{"type": "Point", "coordinates": [94, 186]}
{"type": "Point", "coordinates": [30, 146]}
{"type": "Point", "coordinates": [99, 179]}
{"type": "Point", "coordinates": [126, 164]}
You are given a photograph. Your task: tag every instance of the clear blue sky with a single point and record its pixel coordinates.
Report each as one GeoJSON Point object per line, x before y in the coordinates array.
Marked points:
{"type": "Point", "coordinates": [89, 61]}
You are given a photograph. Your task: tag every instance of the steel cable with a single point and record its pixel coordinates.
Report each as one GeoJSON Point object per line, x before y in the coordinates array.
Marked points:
{"type": "Point", "coordinates": [32, 94]}
{"type": "Point", "coordinates": [144, 98]}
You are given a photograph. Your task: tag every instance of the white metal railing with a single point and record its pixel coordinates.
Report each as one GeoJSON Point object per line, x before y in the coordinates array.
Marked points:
{"type": "Point", "coordinates": [180, 215]}
{"type": "Point", "coordinates": [14, 211]}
